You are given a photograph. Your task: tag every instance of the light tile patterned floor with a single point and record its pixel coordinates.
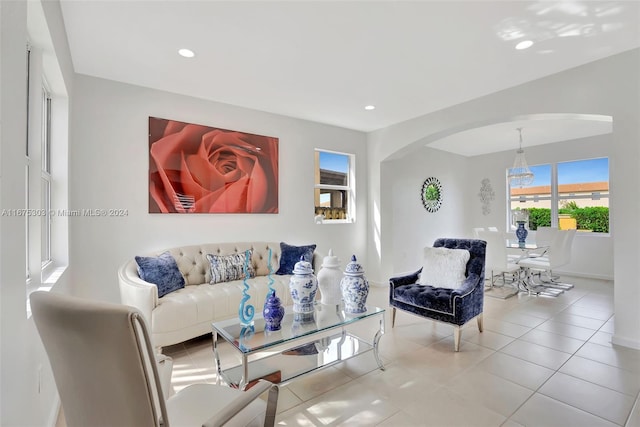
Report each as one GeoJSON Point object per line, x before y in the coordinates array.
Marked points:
{"type": "Point", "coordinates": [540, 362]}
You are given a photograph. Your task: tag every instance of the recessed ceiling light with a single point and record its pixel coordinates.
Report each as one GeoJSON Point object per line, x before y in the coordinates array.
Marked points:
{"type": "Point", "coordinates": [370, 107]}
{"type": "Point", "coordinates": [187, 53]}
{"type": "Point", "coordinates": [525, 44]}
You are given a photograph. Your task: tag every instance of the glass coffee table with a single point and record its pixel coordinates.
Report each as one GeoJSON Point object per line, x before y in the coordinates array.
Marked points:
{"type": "Point", "coordinates": [304, 344]}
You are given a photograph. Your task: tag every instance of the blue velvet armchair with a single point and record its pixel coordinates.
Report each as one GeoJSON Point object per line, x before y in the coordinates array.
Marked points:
{"type": "Point", "coordinates": [455, 306]}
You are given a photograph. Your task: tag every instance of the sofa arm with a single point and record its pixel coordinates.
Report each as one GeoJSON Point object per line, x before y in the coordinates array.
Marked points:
{"type": "Point", "coordinates": [136, 292]}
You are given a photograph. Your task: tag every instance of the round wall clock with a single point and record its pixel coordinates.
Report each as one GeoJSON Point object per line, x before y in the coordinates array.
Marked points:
{"type": "Point", "coordinates": [431, 194]}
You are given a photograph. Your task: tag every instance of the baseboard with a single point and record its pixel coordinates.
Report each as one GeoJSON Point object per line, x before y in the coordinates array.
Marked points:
{"type": "Point", "coordinates": [625, 342]}
{"type": "Point", "coordinates": [583, 275]}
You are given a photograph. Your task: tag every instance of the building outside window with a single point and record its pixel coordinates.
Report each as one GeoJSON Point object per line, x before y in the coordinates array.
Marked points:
{"type": "Point", "coordinates": [567, 195]}
{"type": "Point", "coordinates": [334, 191]}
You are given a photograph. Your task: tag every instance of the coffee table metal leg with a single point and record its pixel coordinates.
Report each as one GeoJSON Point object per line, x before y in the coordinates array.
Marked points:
{"type": "Point", "coordinates": [244, 381]}
{"type": "Point", "coordinates": [216, 357]}
{"type": "Point", "coordinates": [376, 341]}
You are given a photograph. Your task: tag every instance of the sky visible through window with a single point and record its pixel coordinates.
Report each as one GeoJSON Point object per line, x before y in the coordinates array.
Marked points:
{"type": "Point", "coordinates": [592, 170]}
{"type": "Point", "coordinates": [334, 162]}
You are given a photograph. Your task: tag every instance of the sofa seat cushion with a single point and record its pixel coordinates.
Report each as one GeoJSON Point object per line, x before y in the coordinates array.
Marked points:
{"type": "Point", "coordinates": [203, 303]}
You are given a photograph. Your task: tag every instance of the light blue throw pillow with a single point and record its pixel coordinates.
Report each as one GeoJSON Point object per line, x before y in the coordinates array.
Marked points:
{"type": "Point", "coordinates": [225, 268]}
{"type": "Point", "coordinates": [162, 271]}
{"type": "Point", "coordinates": [290, 255]}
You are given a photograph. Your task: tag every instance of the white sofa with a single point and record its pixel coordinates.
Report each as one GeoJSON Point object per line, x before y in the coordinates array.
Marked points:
{"type": "Point", "coordinates": [187, 313]}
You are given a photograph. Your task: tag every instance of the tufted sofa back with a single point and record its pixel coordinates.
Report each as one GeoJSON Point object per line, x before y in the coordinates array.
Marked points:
{"type": "Point", "coordinates": [194, 265]}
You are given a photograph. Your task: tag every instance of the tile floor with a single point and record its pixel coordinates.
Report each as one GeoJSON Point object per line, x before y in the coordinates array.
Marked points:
{"type": "Point", "coordinates": [539, 362]}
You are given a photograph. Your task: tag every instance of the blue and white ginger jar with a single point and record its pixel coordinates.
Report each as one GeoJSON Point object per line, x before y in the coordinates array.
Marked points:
{"type": "Point", "coordinates": [354, 287]}
{"type": "Point", "coordinates": [521, 233]}
{"type": "Point", "coordinates": [273, 313]}
{"type": "Point", "coordinates": [303, 286]}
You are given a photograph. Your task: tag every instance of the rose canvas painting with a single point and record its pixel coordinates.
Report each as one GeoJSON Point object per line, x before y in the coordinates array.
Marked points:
{"type": "Point", "coordinates": [201, 169]}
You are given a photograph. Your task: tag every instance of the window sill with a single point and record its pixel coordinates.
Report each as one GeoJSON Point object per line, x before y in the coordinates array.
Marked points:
{"type": "Point", "coordinates": [46, 284]}
{"type": "Point", "coordinates": [335, 221]}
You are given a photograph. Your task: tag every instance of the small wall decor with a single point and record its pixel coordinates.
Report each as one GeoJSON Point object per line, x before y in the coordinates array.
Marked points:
{"type": "Point", "coordinates": [202, 169]}
{"type": "Point", "coordinates": [431, 194]}
{"type": "Point", "coordinates": [486, 195]}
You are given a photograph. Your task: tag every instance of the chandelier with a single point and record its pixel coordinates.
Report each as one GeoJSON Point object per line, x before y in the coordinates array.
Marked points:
{"type": "Point", "coordinates": [520, 174]}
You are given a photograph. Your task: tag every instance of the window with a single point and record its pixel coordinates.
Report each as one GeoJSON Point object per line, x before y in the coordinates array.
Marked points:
{"type": "Point", "coordinates": [568, 195]}
{"type": "Point", "coordinates": [43, 161]}
{"type": "Point", "coordinates": [45, 242]}
{"type": "Point", "coordinates": [26, 169]}
{"type": "Point", "coordinates": [334, 191]}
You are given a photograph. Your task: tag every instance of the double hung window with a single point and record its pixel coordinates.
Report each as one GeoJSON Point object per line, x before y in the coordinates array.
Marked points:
{"type": "Point", "coordinates": [334, 190]}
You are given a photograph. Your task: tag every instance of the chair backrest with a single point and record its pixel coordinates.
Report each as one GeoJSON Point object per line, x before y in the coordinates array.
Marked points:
{"type": "Point", "coordinates": [544, 235]}
{"type": "Point", "coordinates": [564, 255]}
{"type": "Point", "coordinates": [101, 355]}
{"type": "Point", "coordinates": [477, 251]}
{"type": "Point", "coordinates": [477, 230]}
{"type": "Point", "coordinates": [496, 254]}
{"type": "Point", "coordinates": [559, 251]}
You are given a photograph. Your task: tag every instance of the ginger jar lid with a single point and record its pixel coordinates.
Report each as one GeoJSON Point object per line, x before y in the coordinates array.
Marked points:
{"type": "Point", "coordinates": [302, 267]}
{"type": "Point", "coordinates": [354, 268]}
{"type": "Point", "coordinates": [331, 261]}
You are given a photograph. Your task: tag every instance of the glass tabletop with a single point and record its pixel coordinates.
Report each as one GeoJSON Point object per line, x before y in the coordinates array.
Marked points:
{"type": "Point", "coordinates": [513, 244]}
{"type": "Point", "coordinates": [254, 338]}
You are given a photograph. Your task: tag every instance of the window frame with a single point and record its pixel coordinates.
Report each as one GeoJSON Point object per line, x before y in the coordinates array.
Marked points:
{"type": "Point", "coordinates": [555, 198]}
{"type": "Point", "coordinates": [46, 179]}
{"type": "Point", "coordinates": [349, 189]}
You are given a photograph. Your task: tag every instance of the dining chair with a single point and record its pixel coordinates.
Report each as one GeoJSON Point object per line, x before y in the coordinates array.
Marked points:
{"type": "Point", "coordinates": [543, 238]}
{"type": "Point", "coordinates": [497, 261]}
{"type": "Point", "coordinates": [558, 255]}
{"type": "Point", "coordinates": [106, 372]}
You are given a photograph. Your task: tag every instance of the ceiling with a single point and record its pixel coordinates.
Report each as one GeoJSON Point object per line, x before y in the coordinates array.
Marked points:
{"type": "Point", "coordinates": [325, 60]}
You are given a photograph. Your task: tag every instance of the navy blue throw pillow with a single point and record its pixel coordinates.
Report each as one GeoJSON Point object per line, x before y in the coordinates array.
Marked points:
{"type": "Point", "coordinates": [162, 271]}
{"type": "Point", "coordinates": [289, 255]}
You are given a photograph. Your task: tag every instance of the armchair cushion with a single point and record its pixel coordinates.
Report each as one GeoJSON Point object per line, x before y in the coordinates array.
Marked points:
{"type": "Point", "coordinates": [225, 268]}
{"type": "Point", "coordinates": [290, 255]}
{"type": "Point", "coordinates": [444, 268]}
{"type": "Point", "coordinates": [162, 271]}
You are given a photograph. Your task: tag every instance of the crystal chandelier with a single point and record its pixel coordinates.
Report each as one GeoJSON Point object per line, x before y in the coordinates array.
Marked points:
{"type": "Point", "coordinates": [520, 174]}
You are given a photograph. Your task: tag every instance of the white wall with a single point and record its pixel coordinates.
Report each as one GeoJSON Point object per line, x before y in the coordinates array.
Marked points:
{"type": "Point", "coordinates": [610, 87]}
{"type": "Point", "coordinates": [109, 169]}
{"type": "Point", "coordinates": [412, 227]}
{"type": "Point", "coordinates": [28, 395]}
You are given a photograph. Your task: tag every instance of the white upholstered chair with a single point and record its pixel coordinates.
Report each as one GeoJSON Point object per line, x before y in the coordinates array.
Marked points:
{"type": "Point", "coordinates": [106, 373]}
